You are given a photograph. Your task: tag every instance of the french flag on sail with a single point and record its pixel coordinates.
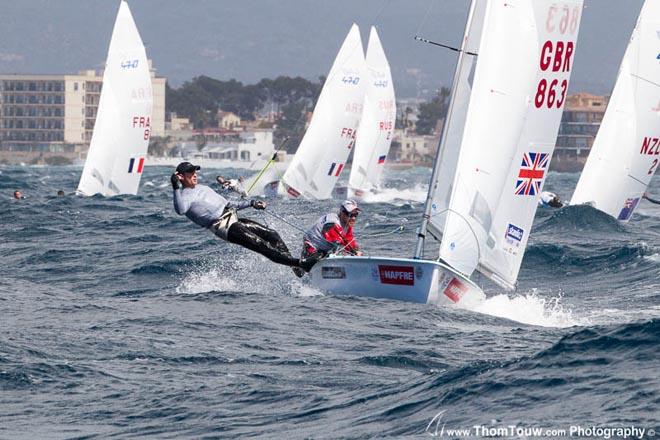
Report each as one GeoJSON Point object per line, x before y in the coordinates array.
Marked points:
{"type": "Point", "coordinates": [131, 165]}
{"type": "Point", "coordinates": [337, 171]}
{"type": "Point", "coordinates": [628, 208]}
{"type": "Point", "coordinates": [381, 159]}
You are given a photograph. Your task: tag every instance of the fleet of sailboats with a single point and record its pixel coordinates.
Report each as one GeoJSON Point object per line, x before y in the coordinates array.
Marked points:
{"type": "Point", "coordinates": [507, 98]}
{"type": "Point", "coordinates": [625, 153]}
{"type": "Point", "coordinates": [507, 136]}
{"type": "Point", "coordinates": [360, 91]}
{"type": "Point", "coordinates": [119, 143]}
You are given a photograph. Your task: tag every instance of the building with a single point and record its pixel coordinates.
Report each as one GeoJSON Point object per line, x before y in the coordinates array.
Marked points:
{"type": "Point", "coordinates": [414, 149]}
{"type": "Point", "coordinates": [55, 114]}
{"type": "Point", "coordinates": [250, 146]}
{"type": "Point", "coordinates": [178, 124]}
{"type": "Point", "coordinates": [228, 120]}
{"type": "Point", "coordinates": [580, 121]}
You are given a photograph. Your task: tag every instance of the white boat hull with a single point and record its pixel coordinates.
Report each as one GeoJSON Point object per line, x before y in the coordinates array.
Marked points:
{"type": "Point", "coordinates": [403, 279]}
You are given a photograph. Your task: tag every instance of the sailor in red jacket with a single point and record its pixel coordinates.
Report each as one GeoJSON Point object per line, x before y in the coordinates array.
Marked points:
{"type": "Point", "coordinates": [333, 233]}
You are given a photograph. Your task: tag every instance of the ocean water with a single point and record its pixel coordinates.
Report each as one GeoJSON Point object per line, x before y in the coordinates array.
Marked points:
{"type": "Point", "coordinates": [120, 319]}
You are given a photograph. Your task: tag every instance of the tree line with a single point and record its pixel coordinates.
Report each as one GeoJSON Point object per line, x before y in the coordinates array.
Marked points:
{"type": "Point", "coordinates": [291, 98]}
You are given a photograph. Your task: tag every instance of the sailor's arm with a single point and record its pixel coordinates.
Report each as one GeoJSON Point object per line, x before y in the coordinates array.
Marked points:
{"type": "Point", "coordinates": [352, 246]}
{"type": "Point", "coordinates": [333, 233]}
{"type": "Point", "coordinates": [181, 206]}
{"type": "Point", "coordinates": [241, 204]}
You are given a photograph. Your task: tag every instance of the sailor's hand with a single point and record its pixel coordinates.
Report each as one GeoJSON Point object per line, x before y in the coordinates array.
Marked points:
{"type": "Point", "coordinates": [258, 204]}
{"type": "Point", "coordinates": [176, 181]}
{"type": "Point", "coordinates": [358, 253]}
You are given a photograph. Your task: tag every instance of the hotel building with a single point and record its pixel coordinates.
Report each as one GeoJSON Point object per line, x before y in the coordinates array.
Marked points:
{"type": "Point", "coordinates": [56, 113]}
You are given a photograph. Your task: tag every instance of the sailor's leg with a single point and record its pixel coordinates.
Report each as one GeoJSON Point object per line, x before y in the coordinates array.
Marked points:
{"type": "Point", "coordinates": [265, 233]}
{"type": "Point", "coordinates": [240, 233]}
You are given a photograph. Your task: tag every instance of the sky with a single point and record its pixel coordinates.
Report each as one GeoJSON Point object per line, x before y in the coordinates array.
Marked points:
{"type": "Point", "coordinates": [248, 40]}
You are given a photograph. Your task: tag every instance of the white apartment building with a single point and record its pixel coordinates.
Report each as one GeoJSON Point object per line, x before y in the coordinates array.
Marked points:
{"type": "Point", "coordinates": [251, 145]}
{"type": "Point", "coordinates": [56, 113]}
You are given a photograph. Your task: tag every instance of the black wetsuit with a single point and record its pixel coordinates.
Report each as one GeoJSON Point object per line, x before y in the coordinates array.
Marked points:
{"type": "Point", "coordinates": [259, 238]}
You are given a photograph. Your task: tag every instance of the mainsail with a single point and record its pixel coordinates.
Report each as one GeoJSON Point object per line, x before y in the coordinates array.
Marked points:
{"type": "Point", "coordinates": [524, 61]}
{"type": "Point", "coordinates": [626, 150]}
{"type": "Point", "coordinates": [377, 124]}
{"type": "Point", "coordinates": [455, 120]}
{"type": "Point", "coordinates": [322, 153]}
{"type": "Point", "coordinates": [115, 159]}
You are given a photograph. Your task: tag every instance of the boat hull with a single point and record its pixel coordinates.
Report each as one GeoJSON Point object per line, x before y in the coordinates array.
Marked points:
{"type": "Point", "coordinates": [403, 279]}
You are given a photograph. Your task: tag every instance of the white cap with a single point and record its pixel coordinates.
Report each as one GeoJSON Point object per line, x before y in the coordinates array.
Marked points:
{"type": "Point", "coordinates": [350, 206]}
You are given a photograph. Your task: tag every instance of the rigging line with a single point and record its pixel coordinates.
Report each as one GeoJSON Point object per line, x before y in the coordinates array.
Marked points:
{"type": "Point", "coordinates": [426, 16]}
{"type": "Point", "coordinates": [268, 164]}
{"type": "Point", "coordinates": [645, 80]}
{"type": "Point", "coordinates": [398, 229]}
{"type": "Point", "coordinates": [385, 5]}
{"type": "Point", "coordinates": [284, 220]}
{"type": "Point", "coordinates": [455, 49]}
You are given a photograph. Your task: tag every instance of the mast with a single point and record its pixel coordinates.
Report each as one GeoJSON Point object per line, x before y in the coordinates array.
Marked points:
{"type": "Point", "coordinates": [421, 234]}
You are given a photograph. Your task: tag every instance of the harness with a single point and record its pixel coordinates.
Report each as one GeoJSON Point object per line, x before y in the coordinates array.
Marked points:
{"type": "Point", "coordinates": [221, 227]}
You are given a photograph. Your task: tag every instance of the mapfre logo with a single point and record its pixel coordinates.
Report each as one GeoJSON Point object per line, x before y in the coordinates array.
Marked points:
{"type": "Point", "coordinates": [402, 275]}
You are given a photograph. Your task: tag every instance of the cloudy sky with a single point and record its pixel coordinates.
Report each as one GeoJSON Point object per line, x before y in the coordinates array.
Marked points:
{"type": "Point", "coordinates": [253, 39]}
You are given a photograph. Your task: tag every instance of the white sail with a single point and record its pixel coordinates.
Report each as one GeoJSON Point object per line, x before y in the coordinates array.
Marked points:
{"type": "Point", "coordinates": [327, 143]}
{"type": "Point", "coordinates": [520, 84]}
{"type": "Point", "coordinates": [626, 150]}
{"type": "Point", "coordinates": [455, 122]}
{"type": "Point", "coordinates": [122, 128]}
{"type": "Point", "coordinates": [377, 124]}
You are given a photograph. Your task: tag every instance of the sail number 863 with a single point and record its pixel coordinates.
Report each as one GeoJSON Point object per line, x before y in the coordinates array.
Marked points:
{"type": "Point", "coordinates": [547, 93]}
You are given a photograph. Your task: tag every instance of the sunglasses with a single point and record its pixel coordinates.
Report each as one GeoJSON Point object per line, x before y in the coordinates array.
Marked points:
{"type": "Point", "coordinates": [350, 214]}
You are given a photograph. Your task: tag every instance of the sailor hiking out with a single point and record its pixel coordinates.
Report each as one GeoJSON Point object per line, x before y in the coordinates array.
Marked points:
{"type": "Point", "coordinates": [550, 200]}
{"type": "Point", "coordinates": [333, 233]}
{"type": "Point", "coordinates": [235, 185]}
{"type": "Point", "coordinates": [210, 210]}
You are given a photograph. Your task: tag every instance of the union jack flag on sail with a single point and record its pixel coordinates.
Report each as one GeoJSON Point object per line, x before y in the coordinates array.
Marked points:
{"type": "Point", "coordinates": [531, 174]}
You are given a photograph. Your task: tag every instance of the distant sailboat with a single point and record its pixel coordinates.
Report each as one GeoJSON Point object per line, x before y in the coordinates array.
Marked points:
{"type": "Point", "coordinates": [117, 151]}
{"type": "Point", "coordinates": [377, 124]}
{"type": "Point", "coordinates": [500, 134]}
{"type": "Point", "coordinates": [626, 150]}
{"type": "Point", "coordinates": [322, 153]}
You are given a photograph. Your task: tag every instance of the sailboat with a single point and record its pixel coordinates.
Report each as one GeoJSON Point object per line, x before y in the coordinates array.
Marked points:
{"type": "Point", "coordinates": [377, 123]}
{"type": "Point", "coordinates": [497, 143]}
{"type": "Point", "coordinates": [323, 151]}
{"type": "Point", "coordinates": [122, 129]}
{"type": "Point", "coordinates": [626, 150]}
